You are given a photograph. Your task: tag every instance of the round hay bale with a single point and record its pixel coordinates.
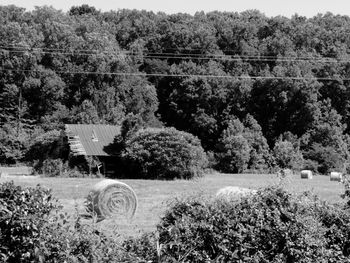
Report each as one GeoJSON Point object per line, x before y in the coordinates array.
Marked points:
{"type": "Point", "coordinates": [111, 198]}
{"type": "Point", "coordinates": [306, 174]}
{"type": "Point", "coordinates": [230, 193]}
{"type": "Point", "coordinates": [336, 176]}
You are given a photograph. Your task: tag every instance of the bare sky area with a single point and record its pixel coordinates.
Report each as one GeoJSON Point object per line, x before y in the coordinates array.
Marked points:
{"type": "Point", "coordinates": [288, 8]}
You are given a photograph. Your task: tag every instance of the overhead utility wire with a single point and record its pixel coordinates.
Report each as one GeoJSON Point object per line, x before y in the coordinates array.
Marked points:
{"type": "Point", "coordinates": [52, 49]}
{"type": "Point", "coordinates": [208, 57]}
{"type": "Point", "coordinates": [95, 51]}
{"type": "Point", "coordinates": [163, 55]}
{"type": "Point", "coordinates": [175, 49]}
{"type": "Point", "coordinates": [179, 75]}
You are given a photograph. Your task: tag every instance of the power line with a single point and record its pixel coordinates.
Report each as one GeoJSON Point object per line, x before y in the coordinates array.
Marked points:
{"type": "Point", "coordinates": [60, 53]}
{"type": "Point", "coordinates": [53, 49]}
{"type": "Point", "coordinates": [208, 57]}
{"type": "Point", "coordinates": [179, 75]}
{"type": "Point", "coordinates": [253, 59]}
{"type": "Point", "coordinates": [160, 55]}
{"type": "Point", "coordinates": [164, 53]}
{"type": "Point", "coordinates": [176, 56]}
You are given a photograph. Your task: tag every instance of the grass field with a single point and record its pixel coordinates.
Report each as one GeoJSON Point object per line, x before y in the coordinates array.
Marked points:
{"type": "Point", "coordinates": [153, 195]}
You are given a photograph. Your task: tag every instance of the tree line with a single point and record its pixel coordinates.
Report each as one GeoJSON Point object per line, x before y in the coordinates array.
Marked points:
{"type": "Point", "coordinates": [258, 91]}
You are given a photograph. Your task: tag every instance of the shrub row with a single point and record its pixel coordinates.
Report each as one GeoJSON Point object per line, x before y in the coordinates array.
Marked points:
{"type": "Point", "coordinates": [270, 226]}
{"type": "Point", "coordinates": [166, 153]}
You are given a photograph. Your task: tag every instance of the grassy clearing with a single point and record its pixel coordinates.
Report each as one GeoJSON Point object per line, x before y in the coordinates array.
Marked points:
{"type": "Point", "coordinates": [17, 170]}
{"type": "Point", "coordinates": [153, 195]}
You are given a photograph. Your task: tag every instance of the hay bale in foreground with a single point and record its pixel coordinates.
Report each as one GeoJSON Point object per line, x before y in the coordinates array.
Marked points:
{"type": "Point", "coordinates": [306, 174]}
{"type": "Point", "coordinates": [111, 198]}
{"type": "Point", "coordinates": [230, 193]}
{"type": "Point", "coordinates": [336, 176]}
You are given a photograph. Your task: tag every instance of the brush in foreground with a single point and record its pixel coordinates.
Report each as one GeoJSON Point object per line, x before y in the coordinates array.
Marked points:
{"type": "Point", "coordinates": [230, 193]}
{"type": "Point", "coordinates": [111, 199]}
{"type": "Point", "coordinates": [306, 174]}
{"type": "Point", "coordinates": [336, 176]}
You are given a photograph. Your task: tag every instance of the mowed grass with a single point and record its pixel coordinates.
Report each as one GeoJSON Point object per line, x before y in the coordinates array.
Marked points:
{"type": "Point", "coordinates": [154, 195]}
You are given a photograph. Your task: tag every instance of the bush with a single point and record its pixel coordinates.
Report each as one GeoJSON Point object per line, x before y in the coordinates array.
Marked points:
{"type": "Point", "coordinates": [287, 155]}
{"type": "Point", "coordinates": [146, 247]}
{"type": "Point", "coordinates": [32, 229]}
{"type": "Point", "coordinates": [48, 145]}
{"type": "Point", "coordinates": [13, 144]}
{"type": "Point", "coordinates": [233, 149]}
{"type": "Point", "coordinates": [260, 158]}
{"type": "Point", "coordinates": [326, 157]}
{"type": "Point", "coordinates": [236, 156]}
{"type": "Point", "coordinates": [23, 213]}
{"type": "Point", "coordinates": [310, 165]}
{"type": "Point", "coordinates": [62, 241]}
{"type": "Point", "coordinates": [270, 226]}
{"type": "Point", "coordinates": [48, 153]}
{"type": "Point", "coordinates": [164, 154]}
{"type": "Point", "coordinates": [58, 168]}
{"type": "Point", "coordinates": [53, 167]}
{"type": "Point", "coordinates": [243, 147]}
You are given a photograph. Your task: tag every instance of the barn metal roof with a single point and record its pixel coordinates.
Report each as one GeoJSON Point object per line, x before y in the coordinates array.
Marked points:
{"type": "Point", "coordinates": [90, 139]}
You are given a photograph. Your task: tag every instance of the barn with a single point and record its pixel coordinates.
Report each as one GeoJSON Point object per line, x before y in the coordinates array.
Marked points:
{"type": "Point", "coordinates": [91, 141]}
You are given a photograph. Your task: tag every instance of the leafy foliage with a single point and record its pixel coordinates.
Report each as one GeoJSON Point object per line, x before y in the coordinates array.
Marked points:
{"type": "Point", "coordinates": [325, 143]}
{"type": "Point", "coordinates": [287, 155]}
{"type": "Point", "coordinates": [81, 242]}
{"type": "Point", "coordinates": [23, 214]}
{"type": "Point", "coordinates": [202, 72]}
{"type": "Point", "coordinates": [236, 149]}
{"type": "Point", "coordinates": [243, 147]}
{"type": "Point", "coordinates": [164, 154]}
{"type": "Point", "coordinates": [13, 144]}
{"type": "Point", "coordinates": [47, 145]}
{"type": "Point", "coordinates": [326, 158]}
{"type": "Point", "coordinates": [145, 247]}
{"type": "Point", "coordinates": [33, 229]}
{"type": "Point", "coordinates": [270, 226]}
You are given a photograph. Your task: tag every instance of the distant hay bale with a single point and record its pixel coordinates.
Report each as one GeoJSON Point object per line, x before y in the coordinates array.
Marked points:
{"type": "Point", "coordinates": [306, 174]}
{"type": "Point", "coordinates": [230, 193]}
{"type": "Point", "coordinates": [111, 198]}
{"type": "Point", "coordinates": [336, 176]}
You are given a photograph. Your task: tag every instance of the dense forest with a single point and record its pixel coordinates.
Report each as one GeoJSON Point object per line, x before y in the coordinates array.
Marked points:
{"type": "Point", "coordinates": [258, 91]}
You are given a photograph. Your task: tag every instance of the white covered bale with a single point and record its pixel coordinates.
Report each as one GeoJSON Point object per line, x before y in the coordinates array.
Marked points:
{"type": "Point", "coordinates": [306, 174]}
{"type": "Point", "coordinates": [233, 193]}
{"type": "Point", "coordinates": [112, 199]}
{"type": "Point", "coordinates": [336, 176]}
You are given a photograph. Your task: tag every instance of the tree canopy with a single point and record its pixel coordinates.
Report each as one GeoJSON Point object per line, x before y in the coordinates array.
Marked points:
{"type": "Point", "coordinates": [206, 74]}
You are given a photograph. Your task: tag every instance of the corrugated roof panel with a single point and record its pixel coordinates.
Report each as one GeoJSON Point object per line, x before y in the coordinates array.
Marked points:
{"type": "Point", "coordinates": [94, 137]}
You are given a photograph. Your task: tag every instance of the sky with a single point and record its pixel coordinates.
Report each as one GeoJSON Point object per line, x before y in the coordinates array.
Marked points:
{"type": "Point", "coordinates": [287, 8]}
